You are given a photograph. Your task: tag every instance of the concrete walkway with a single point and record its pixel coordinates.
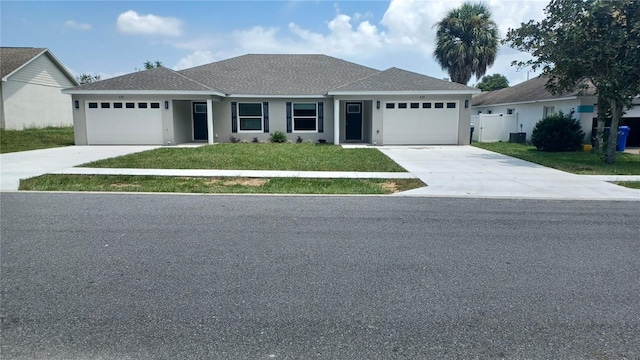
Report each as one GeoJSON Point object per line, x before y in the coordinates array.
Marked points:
{"type": "Point", "coordinates": [26, 164]}
{"type": "Point", "coordinates": [467, 171]}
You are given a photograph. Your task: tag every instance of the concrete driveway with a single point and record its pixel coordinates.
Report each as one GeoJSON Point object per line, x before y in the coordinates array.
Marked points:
{"type": "Point", "coordinates": [466, 171]}
{"type": "Point", "coordinates": [26, 164]}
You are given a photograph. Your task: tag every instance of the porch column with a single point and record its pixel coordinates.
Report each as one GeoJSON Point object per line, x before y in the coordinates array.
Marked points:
{"type": "Point", "coordinates": [209, 121]}
{"type": "Point", "coordinates": [336, 122]}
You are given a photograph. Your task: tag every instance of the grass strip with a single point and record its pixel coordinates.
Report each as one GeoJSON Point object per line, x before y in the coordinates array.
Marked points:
{"type": "Point", "coordinates": [587, 163]}
{"type": "Point", "coordinates": [222, 185]}
{"type": "Point", "coordinates": [629, 184]}
{"type": "Point", "coordinates": [299, 157]}
{"type": "Point", "coordinates": [35, 138]}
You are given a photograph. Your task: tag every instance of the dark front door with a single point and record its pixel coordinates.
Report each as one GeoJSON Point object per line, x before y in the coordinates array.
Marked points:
{"type": "Point", "coordinates": [200, 121]}
{"type": "Point", "coordinates": [353, 121]}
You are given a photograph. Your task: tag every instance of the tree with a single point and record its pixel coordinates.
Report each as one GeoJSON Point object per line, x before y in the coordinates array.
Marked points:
{"type": "Point", "coordinates": [150, 65]}
{"type": "Point", "coordinates": [87, 78]}
{"type": "Point", "coordinates": [583, 43]}
{"type": "Point", "coordinates": [493, 82]}
{"type": "Point", "coordinates": [466, 42]}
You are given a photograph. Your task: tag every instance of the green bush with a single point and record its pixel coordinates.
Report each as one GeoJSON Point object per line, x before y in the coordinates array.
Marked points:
{"type": "Point", "coordinates": [558, 132]}
{"type": "Point", "coordinates": [278, 137]}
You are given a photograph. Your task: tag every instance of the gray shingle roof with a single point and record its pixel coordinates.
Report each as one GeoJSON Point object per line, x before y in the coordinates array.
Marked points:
{"type": "Point", "coordinates": [11, 58]}
{"type": "Point", "coordinates": [159, 78]}
{"type": "Point", "coordinates": [279, 74]}
{"type": "Point", "coordinates": [530, 90]}
{"type": "Point", "coordinates": [395, 79]}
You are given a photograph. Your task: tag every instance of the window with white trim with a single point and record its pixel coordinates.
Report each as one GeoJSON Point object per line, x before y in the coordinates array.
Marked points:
{"type": "Point", "coordinates": [250, 117]}
{"type": "Point", "coordinates": [305, 117]}
{"type": "Point", "coordinates": [548, 110]}
{"type": "Point", "coordinates": [511, 111]}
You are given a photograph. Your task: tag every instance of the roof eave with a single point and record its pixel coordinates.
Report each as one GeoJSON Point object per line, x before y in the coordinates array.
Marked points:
{"type": "Point", "coordinates": [73, 91]}
{"type": "Point", "coordinates": [278, 96]}
{"type": "Point", "coordinates": [534, 101]}
{"type": "Point", "coordinates": [410, 92]}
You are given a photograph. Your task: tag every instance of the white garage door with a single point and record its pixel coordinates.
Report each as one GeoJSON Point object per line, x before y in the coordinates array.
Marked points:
{"type": "Point", "coordinates": [421, 123]}
{"type": "Point", "coordinates": [126, 123]}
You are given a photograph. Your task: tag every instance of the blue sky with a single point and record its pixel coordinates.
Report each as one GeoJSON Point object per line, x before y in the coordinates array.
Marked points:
{"type": "Point", "coordinates": [112, 38]}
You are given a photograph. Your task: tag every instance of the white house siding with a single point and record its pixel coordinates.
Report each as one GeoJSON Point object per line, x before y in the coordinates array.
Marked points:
{"type": "Point", "coordinates": [528, 114]}
{"type": "Point", "coordinates": [31, 97]}
{"type": "Point", "coordinates": [277, 120]}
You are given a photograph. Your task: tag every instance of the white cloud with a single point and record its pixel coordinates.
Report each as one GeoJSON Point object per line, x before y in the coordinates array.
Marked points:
{"type": "Point", "coordinates": [196, 58]}
{"type": "Point", "coordinates": [404, 37]}
{"type": "Point", "coordinates": [70, 24]}
{"type": "Point", "coordinates": [132, 23]}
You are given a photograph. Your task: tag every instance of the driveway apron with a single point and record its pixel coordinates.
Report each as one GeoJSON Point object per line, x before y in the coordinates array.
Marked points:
{"type": "Point", "coordinates": [467, 171]}
{"type": "Point", "coordinates": [26, 164]}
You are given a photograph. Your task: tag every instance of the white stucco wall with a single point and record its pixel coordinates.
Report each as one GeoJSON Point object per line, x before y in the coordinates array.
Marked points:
{"type": "Point", "coordinates": [32, 96]}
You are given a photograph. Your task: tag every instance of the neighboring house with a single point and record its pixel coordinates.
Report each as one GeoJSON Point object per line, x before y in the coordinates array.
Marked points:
{"type": "Point", "coordinates": [530, 101]}
{"type": "Point", "coordinates": [312, 96]}
{"type": "Point", "coordinates": [32, 79]}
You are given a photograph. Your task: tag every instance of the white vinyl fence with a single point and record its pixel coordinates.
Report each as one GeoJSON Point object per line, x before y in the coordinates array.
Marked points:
{"type": "Point", "coordinates": [493, 127]}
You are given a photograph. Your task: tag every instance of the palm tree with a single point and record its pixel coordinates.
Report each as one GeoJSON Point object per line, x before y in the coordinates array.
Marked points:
{"type": "Point", "coordinates": [467, 42]}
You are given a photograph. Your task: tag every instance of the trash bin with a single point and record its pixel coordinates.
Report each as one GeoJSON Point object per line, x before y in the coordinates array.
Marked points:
{"type": "Point", "coordinates": [471, 134]}
{"type": "Point", "coordinates": [623, 132]}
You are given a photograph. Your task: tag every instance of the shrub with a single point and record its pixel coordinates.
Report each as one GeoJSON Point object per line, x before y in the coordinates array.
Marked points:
{"type": "Point", "coordinates": [233, 139]}
{"type": "Point", "coordinates": [255, 140]}
{"type": "Point", "coordinates": [299, 139]}
{"type": "Point", "coordinates": [558, 132]}
{"type": "Point", "coordinates": [278, 137]}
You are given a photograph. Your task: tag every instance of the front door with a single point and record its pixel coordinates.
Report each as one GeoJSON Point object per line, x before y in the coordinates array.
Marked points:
{"type": "Point", "coordinates": [200, 121]}
{"type": "Point", "coordinates": [353, 124]}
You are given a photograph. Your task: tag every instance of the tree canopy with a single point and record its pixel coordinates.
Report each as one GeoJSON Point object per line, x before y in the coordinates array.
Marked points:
{"type": "Point", "coordinates": [87, 78]}
{"type": "Point", "coordinates": [150, 65]}
{"type": "Point", "coordinates": [582, 42]}
{"type": "Point", "coordinates": [493, 82]}
{"type": "Point", "coordinates": [466, 42]}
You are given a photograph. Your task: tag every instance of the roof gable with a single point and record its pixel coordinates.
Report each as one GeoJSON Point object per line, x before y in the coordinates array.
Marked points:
{"type": "Point", "coordinates": [530, 90]}
{"type": "Point", "coordinates": [279, 74]}
{"type": "Point", "coordinates": [156, 79]}
{"type": "Point", "coordinates": [398, 80]}
{"type": "Point", "coordinates": [12, 59]}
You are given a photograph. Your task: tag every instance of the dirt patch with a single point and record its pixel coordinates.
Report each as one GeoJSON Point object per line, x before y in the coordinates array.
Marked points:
{"type": "Point", "coordinates": [390, 186]}
{"type": "Point", "coordinates": [246, 182]}
{"type": "Point", "coordinates": [123, 185]}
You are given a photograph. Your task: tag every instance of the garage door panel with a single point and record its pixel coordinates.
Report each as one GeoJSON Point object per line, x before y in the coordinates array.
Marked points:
{"type": "Point", "coordinates": [423, 126]}
{"type": "Point", "coordinates": [124, 126]}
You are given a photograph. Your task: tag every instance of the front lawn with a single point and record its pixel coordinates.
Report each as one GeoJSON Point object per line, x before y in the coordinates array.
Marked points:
{"type": "Point", "coordinates": [226, 185]}
{"type": "Point", "coordinates": [629, 184]}
{"type": "Point", "coordinates": [35, 138]}
{"type": "Point", "coordinates": [586, 163]}
{"type": "Point", "coordinates": [299, 157]}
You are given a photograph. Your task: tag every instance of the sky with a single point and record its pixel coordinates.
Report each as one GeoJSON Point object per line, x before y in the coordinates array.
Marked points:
{"type": "Point", "coordinates": [111, 38]}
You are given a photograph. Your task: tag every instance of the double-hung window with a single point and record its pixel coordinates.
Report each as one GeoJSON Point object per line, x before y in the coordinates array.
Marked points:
{"type": "Point", "coordinates": [305, 117]}
{"type": "Point", "coordinates": [250, 117]}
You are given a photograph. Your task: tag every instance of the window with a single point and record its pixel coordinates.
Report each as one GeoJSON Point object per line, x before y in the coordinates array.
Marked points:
{"type": "Point", "coordinates": [250, 116]}
{"type": "Point", "coordinates": [200, 108]}
{"type": "Point", "coordinates": [93, 105]}
{"type": "Point", "coordinates": [390, 105]}
{"type": "Point", "coordinates": [489, 111]}
{"type": "Point", "coordinates": [142, 105]}
{"type": "Point", "coordinates": [439, 105]}
{"type": "Point", "coordinates": [548, 110]}
{"type": "Point", "coordinates": [402, 105]}
{"type": "Point", "coordinates": [415, 105]}
{"type": "Point", "coordinates": [130, 105]}
{"type": "Point", "coordinates": [511, 111]}
{"type": "Point", "coordinates": [451, 105]}
{"type": "Point", "coordinates": [117, 105]}
{"type": "Point", "coordinates": [305, 116]}
{"type": "Point", "coordinates": [426, 105]}
{"type": "Point", "coordinates": [353, 109]}
{"type": "Point", "coordinates": [155, 105]}
{"type": "Point", "coordinates": [105, 105]}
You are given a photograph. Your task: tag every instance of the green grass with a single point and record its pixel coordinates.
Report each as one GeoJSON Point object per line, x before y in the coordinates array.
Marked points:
{"type": "Point", "coordinates": [629, 184]}
{"type": "Point", "coordinates": [300, 157]}
{"type": "Point", "coordinates": [35, 138]}
{"type": "Point", "coordinates": [587, 163]}
{"type": "Point", "coordinates": [129, 183]}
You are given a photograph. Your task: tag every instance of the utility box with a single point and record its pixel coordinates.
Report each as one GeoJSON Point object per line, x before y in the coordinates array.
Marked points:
{"type": "Point", "coordinates": [518, 137]}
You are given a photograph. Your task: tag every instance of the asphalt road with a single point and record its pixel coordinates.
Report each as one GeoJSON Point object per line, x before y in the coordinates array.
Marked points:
{"type": "Point", "coordinates": [89, 276]}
